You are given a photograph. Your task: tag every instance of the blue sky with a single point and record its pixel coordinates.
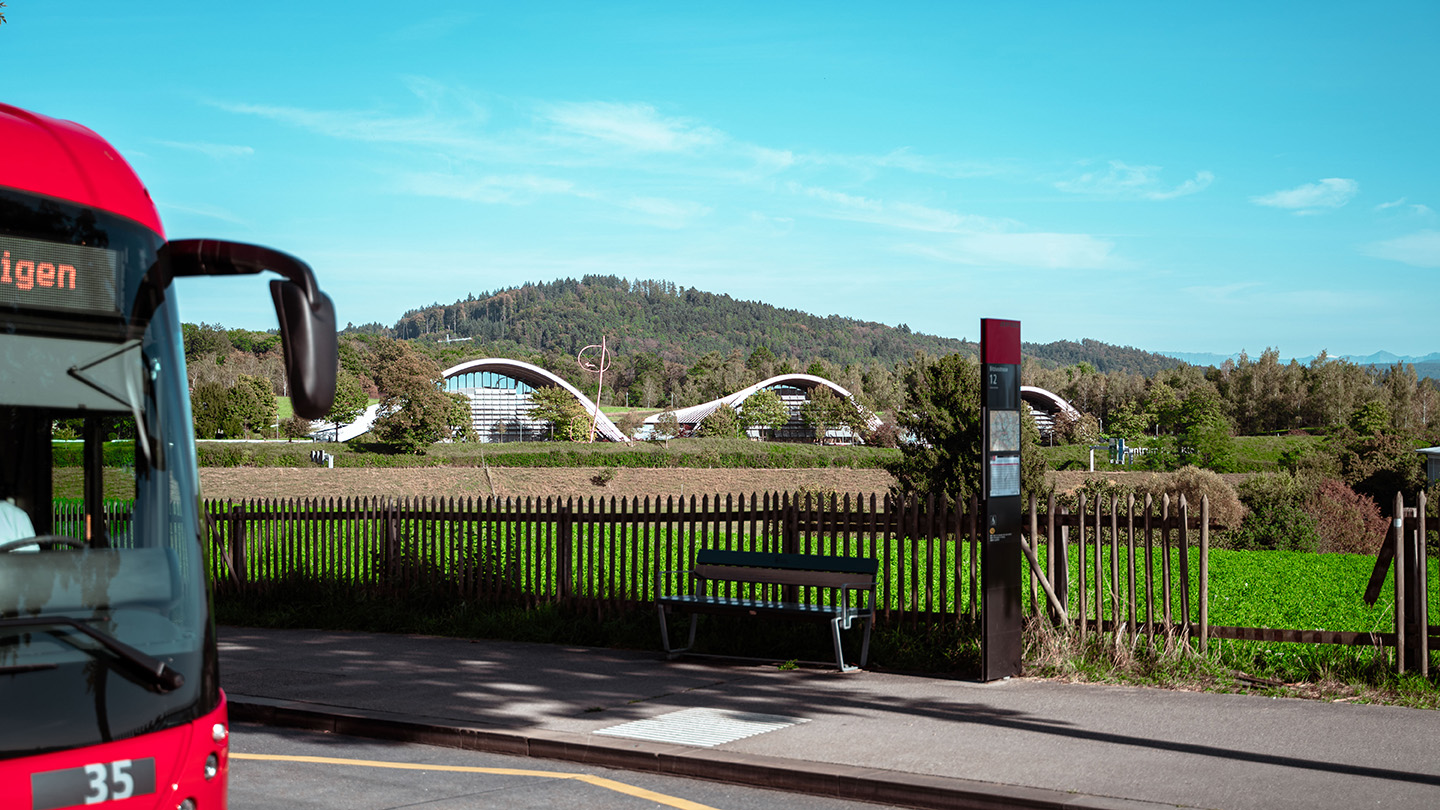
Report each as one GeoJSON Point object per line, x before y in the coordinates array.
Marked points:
{"type": "Point", "coordinates": [1217, 178]}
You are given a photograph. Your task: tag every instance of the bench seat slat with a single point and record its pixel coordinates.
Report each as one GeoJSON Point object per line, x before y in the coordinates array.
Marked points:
{"type": "Point", "coordinates": [789, 562]}
{"type": "Point", "coordinates": [729, 604]}
{"type": "Point", "coordinates": [780, 576]}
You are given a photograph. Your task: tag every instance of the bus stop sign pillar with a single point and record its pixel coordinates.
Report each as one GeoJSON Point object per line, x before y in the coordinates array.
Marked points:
{"type": "Point", "coordinates": [1000, 559]}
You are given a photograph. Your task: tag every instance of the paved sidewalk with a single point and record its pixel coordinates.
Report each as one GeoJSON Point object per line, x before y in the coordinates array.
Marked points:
{"type": "Point", "coordinates": [895, 739]}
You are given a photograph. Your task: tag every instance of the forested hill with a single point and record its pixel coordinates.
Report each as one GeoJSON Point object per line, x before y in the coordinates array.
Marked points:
{"type": "Point", "coordinates": [682, 324]}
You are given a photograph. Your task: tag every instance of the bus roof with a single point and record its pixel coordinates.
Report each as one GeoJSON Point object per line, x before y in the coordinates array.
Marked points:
{"type": "Point", "coordinates": [65, 160]}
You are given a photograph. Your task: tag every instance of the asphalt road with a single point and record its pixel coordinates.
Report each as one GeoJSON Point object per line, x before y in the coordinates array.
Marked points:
{"type": "Point", "coordinates": [272, 768]}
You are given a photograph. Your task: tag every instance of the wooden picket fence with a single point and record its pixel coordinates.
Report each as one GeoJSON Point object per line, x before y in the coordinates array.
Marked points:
{"type": "Point", "coordinates": [1104, 566]}
{"type": "Point", "coordinates": [609, 554]}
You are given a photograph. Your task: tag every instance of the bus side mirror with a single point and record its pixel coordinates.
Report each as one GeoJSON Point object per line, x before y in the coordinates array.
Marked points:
{"type": "Point", "coordinates": [307, 315]}
{"type": "Point", "coordinates": [307, 334]}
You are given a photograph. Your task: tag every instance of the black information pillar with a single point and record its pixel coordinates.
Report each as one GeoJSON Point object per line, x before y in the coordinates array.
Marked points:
{"type": "Point", "coordinates": [1000, 559]}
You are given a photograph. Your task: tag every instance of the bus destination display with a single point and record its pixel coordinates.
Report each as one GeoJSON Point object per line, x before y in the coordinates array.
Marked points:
{"type": "Point", "coordinates": [53, 276]}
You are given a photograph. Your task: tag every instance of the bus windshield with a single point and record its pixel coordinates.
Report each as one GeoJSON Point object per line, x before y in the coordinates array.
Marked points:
{"type": "Point", "coordinates": [105, 630]}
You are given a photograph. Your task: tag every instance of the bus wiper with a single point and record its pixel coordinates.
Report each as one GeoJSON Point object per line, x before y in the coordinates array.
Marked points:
{"type": "Point", "coordinates": [161, 675]}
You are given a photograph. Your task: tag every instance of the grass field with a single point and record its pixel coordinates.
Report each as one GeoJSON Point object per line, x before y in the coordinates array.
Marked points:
{"type": "Point", "coordinates": [1252, 454]}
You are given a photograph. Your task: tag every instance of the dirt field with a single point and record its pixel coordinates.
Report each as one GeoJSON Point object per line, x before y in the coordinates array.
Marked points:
{"type": "Point", "coordinates": [236, 483]}
{"type": "Point", "coordinates": [315, 482]}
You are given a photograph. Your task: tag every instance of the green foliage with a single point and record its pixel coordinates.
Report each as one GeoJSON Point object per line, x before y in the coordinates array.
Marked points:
{"type": "Point", "coordinates": [1128, 421]}
{"type": "Point", "coordinates": [210, 408]}
{"type": "Point", "coordinates": [459, 424]}
{"type": "Point", "coordinates": [1204, 433]}
{"type": "Point", "coordinates": [722, 423]}
{"type": "Point", "coordinates": [415, 411]}
{"type": "Point", "coordinates": [1370, 419]}
{"type": "Point", "coordinates": [942, 414]}
{"type": "Point", "coordinates": [562, 411]}
{"type": "Point", "coordinates": [295, 427]}
{"type": "Point", "coordinates": [667, 426]}
{"type": "Point", "coordinates": [765, 410]}
{"type": "Point", "coordinates": [1378, 465]}
{"type": "Point", "coordinates": [350, 400]}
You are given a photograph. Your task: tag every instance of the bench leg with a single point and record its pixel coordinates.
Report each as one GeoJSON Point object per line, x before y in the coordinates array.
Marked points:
{"type": "Point", "coordinates": [665, 632]}
{"type": "Point", "coordinates": [839, 651]}
{"type": "Point", "coordinates": [865, 645]}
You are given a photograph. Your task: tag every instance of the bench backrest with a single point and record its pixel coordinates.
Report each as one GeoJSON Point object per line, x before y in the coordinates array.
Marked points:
{"type": "Point", "coordinates": [814, 570]}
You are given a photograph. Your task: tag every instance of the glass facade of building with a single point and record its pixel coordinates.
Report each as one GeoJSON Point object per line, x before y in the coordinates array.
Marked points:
{"type": "Point", "coordinates": [499, 407]}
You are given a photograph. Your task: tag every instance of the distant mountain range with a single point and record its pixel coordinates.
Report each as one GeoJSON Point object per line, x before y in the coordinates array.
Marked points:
{"type": "Point", "coordinates": [1427, 366]}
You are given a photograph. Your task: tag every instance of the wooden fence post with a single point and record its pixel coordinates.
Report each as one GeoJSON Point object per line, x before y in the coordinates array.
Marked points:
{"type": "Point", "coordinates": [238, 552]}
{"type": "Point", "coordinates": [1184, 560]}
{"type": "Point", "coordinates": [1422, 565]}
{"type": "Point", "coordinates": [1080, 569]}
{"type": "Point", "coordinates": [1060, 553]}
{"type": "Point", "coordinates": [1401, 627]}
{"type": "Point", "coordinates": [564, 521]}
{"type": "Point", "coordinates": [1204, 572]}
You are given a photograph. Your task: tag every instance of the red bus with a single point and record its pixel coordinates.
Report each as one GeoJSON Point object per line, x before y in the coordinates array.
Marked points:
{"type": "Point", "coordinates": [109, 686]}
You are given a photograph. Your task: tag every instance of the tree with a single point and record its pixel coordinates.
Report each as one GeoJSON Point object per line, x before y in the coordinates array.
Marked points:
{"type": "Point", "coordinates": [209, 402]}
{"type": "Point", "coordinates": [568, 420]}
{"type": "Point", "coordinates": [822, 411]}
{"type": "Point", "coordinates": [459, 423]}
{"type": "Point", "coordinates": [253, 403]}
{"type": "Point", "coordinates": [764, 410]}
{"type": "Point", "coordinates": [295, 427]}
{"type": "Point", "coordinates": [667, 426]}
{"type": "Point", "coordinates": [414, 411]}
{"type": "Point", "coordinates": [942, 414]}
{"type": "Point", "coordinates": [723, 422]}
{"type": "Point", "coordinates": [350, 401]}
{"type": "Point", "coordinates": [1204, 439]}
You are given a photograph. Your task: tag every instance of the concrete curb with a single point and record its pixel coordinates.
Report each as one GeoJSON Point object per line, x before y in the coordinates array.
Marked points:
{"type": "Point", "coordinates": [798, 776]}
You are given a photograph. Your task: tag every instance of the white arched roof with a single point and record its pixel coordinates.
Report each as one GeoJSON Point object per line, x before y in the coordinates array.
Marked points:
{"type": "Point", "coordinates": [693, 414]}
{"type": "Point", "coordinates": [537, 377]}
{"type": "Point", "coordinates": [1051, 402]}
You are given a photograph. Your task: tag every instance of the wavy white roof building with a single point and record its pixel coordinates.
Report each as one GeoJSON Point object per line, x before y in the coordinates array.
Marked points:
{"type": "Point", "coordinates": [793, 390]}
{"type": "Point", "coordinates": [499, 391]}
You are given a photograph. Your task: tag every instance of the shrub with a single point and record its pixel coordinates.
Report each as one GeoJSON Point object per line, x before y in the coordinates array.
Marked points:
{"type": "Point", "coordinates": [1279, 515]}
{"type": "Point", "coordinates": [1082, 429]}
{"type": "Point", "coordinates": [1102, 489]}
{"type": "Point", "coordinates": [722, 423]}
{"type": "Point", "coordinates": [1194, 483]}
{"type": "Point", "coordinates": [887, 435]}
{"type": "Point", "coordinates": [1347, 522]}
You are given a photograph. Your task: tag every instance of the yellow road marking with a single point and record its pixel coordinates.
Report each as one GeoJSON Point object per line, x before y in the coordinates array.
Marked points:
{"type": "Point", "coordinates": [598, 781]}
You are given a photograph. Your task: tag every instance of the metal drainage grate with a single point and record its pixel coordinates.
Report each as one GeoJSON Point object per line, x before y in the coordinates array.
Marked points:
{"type": "Point", "coordinates": [701, 727]}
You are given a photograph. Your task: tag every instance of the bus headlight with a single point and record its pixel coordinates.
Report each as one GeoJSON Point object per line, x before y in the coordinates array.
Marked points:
{"type": "Point", "coordinates": [212, 766]}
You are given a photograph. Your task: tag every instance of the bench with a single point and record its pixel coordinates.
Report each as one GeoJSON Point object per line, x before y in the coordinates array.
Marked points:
{"type": "Point", "coordinates": [844, 578]}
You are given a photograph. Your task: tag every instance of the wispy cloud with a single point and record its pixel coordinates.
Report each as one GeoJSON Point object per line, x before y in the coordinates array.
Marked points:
{"type": "Point", "coordinates": [1311, 198]}
{"type": "Point", "coordinates": [1415, 208]}
{"type": "Point", "coordinates": [520, 189]}
{"type": "Point", "coordinates": [218, 151]}
{"type": "Point", "coordinates": [1420, 249]}
{"type": "Point", "coordinates": [525, 189]}
{"type": "Point", "coordinates": [1133, 182]}
{"type": "Point", "coordinates": [1043, 251]}
{"type": "Point", "coordinates": [632, 126]}
{"type": "Point", "coordinates": [907, 216]}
